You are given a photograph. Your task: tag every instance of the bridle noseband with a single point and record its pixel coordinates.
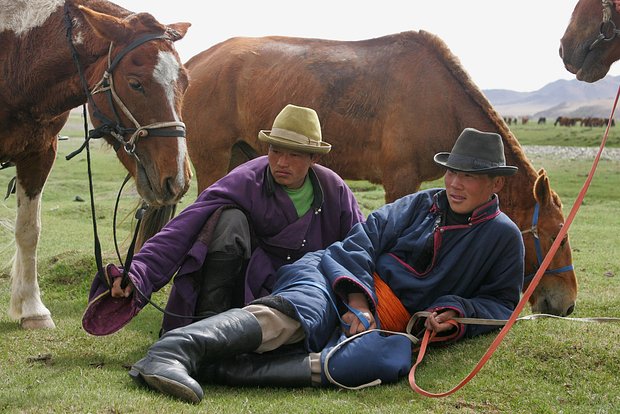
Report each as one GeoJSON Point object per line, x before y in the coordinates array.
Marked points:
{"type": "Point", "coordinates": [539, 256]}
{"type": "Point", "coordinates": [109, 127]}
{"type": "Point", "coordinates": [607, 29]}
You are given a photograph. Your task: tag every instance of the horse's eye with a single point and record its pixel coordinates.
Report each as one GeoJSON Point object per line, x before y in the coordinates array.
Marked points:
{"type": "Point", "coordinates": [563, 242]}
{"type": "Point", "coordinates": [136, 85]}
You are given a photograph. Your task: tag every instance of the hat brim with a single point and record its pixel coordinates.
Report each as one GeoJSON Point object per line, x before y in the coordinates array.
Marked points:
{"type": "Point", "coordinates": [442, 159]}
{"type": "Point", "coordinates": [105, 314]}
{"type": "Point", "coordinates": [322, 148]}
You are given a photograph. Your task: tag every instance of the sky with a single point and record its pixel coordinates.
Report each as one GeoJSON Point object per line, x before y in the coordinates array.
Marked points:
{"type": "Point", "coordinates": [501, 44]}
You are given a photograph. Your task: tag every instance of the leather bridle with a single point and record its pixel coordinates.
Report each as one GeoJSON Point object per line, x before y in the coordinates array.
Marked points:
{"type": "Point", "coordinates": [539, 256]}
{"type": "Point", "coordinates": [607, 29]}
{"type": "Point", "coordinates": [115, 128]}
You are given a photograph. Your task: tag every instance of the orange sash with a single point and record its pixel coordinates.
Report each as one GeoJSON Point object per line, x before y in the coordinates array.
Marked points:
{"type": "Point", "coordinates": [392, 314]}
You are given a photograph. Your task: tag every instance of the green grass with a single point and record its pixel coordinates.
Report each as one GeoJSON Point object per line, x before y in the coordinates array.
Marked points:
{"type": "Point", "coordinates": [543, 366]}
{"type": "Point", "coordinates": [575, 136]}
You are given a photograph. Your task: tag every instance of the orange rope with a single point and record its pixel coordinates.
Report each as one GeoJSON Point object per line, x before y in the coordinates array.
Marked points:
{"type": "Point", "coordinates": [392, 314]}
{"type": "Point", "coordinates": [539, 274]}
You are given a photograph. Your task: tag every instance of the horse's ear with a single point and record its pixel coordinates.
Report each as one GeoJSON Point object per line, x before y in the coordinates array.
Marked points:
{"type": "Point", "coordinates": [177, 31]}
{"type": "Point", "coordinates": [108, 27]}
{"type": "Point", "coordinates": [542, 188]}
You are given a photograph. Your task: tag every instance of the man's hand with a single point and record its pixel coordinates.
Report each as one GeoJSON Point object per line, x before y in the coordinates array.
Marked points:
{"type": "Point", "coordinates": [118, 292]}
{"type": "Point", "coordinates": [114, 273]}
{"type": "Point", "coordinates": [358, 301]}
{"type": "Point", "coordinates": [437, 321]}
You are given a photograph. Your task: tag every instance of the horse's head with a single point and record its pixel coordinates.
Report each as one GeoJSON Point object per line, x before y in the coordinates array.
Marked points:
{"type": "Point", "coordinates": [137, 101]}
{"type": "Point", "coordinates": [588, 47]}
{"type": "Point", "coordinates": [556, 292]}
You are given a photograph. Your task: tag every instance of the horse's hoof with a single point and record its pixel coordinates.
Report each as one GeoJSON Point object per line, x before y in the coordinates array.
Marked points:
{"type": "Point", "coordinates": [37, 322]}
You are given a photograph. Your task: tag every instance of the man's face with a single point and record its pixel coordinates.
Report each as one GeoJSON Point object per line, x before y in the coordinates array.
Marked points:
{"type": "Point", "coordinates": [289, 168]}
{"type": "Point", "coordinates": [466, 191]}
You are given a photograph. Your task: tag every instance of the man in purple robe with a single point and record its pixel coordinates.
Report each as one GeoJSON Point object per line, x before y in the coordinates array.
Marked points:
{"type": "Point", "coordinates": [225, 248]}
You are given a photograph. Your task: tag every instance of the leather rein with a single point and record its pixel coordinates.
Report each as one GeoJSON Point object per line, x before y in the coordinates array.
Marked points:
{"type": "Point", "coordinates": [607, 29]}
{"type": "Point", "coordinates": [115, 128]}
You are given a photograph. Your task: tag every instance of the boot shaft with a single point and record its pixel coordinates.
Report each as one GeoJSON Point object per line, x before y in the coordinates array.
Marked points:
{"type": "Point", "coordinates": [260, 370]}
{"type": "Point", "coordinates": [220, 284]}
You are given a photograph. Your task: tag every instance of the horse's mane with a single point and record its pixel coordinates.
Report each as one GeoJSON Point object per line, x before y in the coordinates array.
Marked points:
{"type": "Point", "coordinates": [453, 64]}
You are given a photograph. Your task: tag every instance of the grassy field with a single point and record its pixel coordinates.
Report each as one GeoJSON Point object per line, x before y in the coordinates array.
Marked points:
{"type": "Point", "coordinates": [543, 366]}
{"type": "Point", "coordinates": [577, 136]}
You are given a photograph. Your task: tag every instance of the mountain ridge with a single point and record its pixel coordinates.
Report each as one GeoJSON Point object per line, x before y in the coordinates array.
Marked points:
{"type": "Point", "coordinates": [570, 98]}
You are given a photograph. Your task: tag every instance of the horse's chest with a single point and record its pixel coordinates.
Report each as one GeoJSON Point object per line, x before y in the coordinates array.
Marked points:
{"type": "Point", "coordinates": [20, 134]}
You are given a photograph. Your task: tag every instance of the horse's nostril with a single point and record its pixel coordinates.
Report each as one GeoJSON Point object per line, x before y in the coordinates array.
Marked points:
{"type": "Point", "coordinates": [570, 309]}
{"type": "Point", "coordinates": [173, 190]}
{"type": "Point", "coordinates": [170, 189]}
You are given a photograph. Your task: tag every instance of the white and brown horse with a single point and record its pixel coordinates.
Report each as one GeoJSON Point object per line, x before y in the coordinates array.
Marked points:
{"type": "Point", "coordinates": [387, 105]}
{"type": "Point", "coordinates": [129, 63]}
{"type": "Point", "coordinates": [591, 42]}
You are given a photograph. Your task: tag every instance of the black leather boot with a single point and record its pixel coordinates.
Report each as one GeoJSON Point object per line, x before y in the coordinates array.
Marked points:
{"type": "Point", "coordinates": [266, 370]}
{"type": "Point", "coordinates": [172, 361]}
{"type": "Point", "coordinates": [220, 284]}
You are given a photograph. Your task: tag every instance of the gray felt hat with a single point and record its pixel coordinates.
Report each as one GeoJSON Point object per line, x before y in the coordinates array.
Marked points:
{"type": "Point", "coordinates": [477, 152]}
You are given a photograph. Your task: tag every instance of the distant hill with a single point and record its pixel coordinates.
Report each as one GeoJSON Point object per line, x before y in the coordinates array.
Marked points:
{"type": "Point", "coordinates": [571, 98]}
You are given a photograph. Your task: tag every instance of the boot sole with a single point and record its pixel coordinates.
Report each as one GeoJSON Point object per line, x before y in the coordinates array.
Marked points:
{"type": "Point", "coordinates": [165, 386]}
{"type": "Point", "coordinates": [137, 378]}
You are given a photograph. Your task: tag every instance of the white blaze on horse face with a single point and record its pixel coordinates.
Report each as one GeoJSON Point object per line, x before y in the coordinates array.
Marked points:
{"type": "Point", "coordinates": [20, 16]}
{"type": "Point", "coordinates": [166, 73]}
{"type": "Point", "coordinates": [181, 157]}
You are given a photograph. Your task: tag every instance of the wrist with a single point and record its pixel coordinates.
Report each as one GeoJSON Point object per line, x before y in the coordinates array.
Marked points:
{"type": "Point", "coordinates": [357, 300]}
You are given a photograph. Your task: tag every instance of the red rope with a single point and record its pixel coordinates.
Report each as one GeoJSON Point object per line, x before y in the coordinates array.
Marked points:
{"type": "Point", "coordinates": [539, 274]}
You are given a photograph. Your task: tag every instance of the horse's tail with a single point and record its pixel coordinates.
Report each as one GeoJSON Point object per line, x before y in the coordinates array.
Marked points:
{"type": "Point", "coordinates": [154, 219]}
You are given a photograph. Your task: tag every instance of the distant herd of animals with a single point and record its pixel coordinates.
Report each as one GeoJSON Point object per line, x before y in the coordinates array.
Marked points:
{"type": "Point", "coordinates": [159, 114]}
{"type": "Point", "coordinates": [564, 121]}
{"type": "Point", "coordinates": [584, 122]}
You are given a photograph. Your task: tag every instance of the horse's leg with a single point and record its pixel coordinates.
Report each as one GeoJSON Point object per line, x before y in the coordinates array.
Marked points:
{"type": "Point", "coordinates": [406, 166]}
{"type": "Point", "coordinates": [400, 171]}
{"type": "Point", "coordinates": [241, 152]}
{"type": "Point", "coordinates": [26, 305]}
{"type": "Point", "coordinates": [210, 166]}
{"type": "Point", "coordinates": [398, 185]}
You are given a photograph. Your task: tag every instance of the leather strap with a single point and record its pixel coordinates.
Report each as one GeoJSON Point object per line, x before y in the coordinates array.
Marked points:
{"type": "Point", "coordinates": [428, 335]}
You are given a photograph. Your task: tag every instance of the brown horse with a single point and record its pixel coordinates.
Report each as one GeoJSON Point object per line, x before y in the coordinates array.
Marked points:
{"type": "Point", "coordinates": [129, 63]}
{"type": "Point", "coordinates": [386, 104]}
{"type": "Point", "coordinates": [589, 45]}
